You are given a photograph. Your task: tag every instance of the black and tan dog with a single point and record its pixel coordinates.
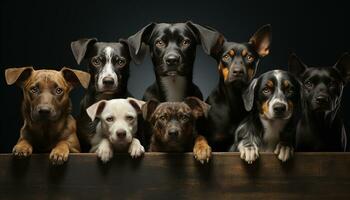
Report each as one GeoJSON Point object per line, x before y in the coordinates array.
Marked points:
{"type": "Point", "coordinates": [48, 124]}
{"type": "Point", "coordinates": [237, 64]}
{"type": "Point", "coordinates": [173, 126]}
{"type": "Point", "coordinates": [321, 127]}
{"type": "Point", "coordinates": [173, 51]}
{"type": "Point", "coordinates": [108, 65]}
{"type": "Point", "coordinates": [274, 100]}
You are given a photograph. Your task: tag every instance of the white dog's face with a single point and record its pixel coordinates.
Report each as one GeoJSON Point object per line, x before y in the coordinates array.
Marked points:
{"type": "Point", "coordinates": [118, 118]}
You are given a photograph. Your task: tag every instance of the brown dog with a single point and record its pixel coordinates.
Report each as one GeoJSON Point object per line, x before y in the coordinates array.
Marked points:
{"type": "Point", "coordinates": [173, 127]}
{"type": "Point", "coordinates": [48, 124]}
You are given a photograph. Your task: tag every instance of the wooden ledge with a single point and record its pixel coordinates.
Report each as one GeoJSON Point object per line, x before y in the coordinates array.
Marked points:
{"type": "Point", "coordinates": [177, 176]}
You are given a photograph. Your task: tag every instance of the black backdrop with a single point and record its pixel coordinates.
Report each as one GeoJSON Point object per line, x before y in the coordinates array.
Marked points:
{"type": "Point", "coordinates": [39, 33]}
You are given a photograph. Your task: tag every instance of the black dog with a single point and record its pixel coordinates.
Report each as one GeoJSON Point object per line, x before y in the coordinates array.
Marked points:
{"type": "Point", "coordinates": [321, 127]}
{"type": "Point", "coordinates": [237, 64]}
{"type": "Point", "coordinates": [274, 100]}
{"type": "Point", "coordinates": [173, 51]}
{"type": "Point", "coordinates": [108, 65]}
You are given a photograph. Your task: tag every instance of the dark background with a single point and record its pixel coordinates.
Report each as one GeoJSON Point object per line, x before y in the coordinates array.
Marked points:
{"type": "Point", "coordinates": [39, 33]}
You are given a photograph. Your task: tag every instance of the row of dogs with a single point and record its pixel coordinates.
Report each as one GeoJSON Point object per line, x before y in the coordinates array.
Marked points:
{"type": "Point", "coordinates": [279, 111]}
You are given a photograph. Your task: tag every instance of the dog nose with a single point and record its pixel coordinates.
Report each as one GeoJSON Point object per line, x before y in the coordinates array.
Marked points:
{"type": "Point", "coordinates": [172, 59]}
{"type": "Point", "coordinates": [108, 81]}
{"type": "Point", "coordinates": [279, 108]}
{"type": "Point", "coordinates": [44, 111]}
{"type": "Point", "coordinates": [121, 134]}
{"type": "Point", "coordinates": [237, 72]}
{"type": "Point", "coordinates": [322, 99]}
{"type": "Point", "coordinates": [173, 133]}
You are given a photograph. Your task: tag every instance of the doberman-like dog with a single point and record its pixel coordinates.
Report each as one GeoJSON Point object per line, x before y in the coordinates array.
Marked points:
{"type": "Point", "coordinates": [173, 51]}
{"type": "Point", "coordinates": [108, 65]}
{"type": "Point", "coordinates": [321, 127]}
{"type": "Point", "coordinates": [274, 100]}
{"type": "Point", "coordinates": [48, 123]}
{"type": "Point", "coordinates": [237, 64]}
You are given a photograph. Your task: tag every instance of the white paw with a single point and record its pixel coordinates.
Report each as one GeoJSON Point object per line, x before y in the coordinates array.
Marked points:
{"type": "Point", "coordinates": [104, 152]}
{"type": "Point", "coordinates": [283, 152]}
{"type": "Point", "coordinates": [136, 149]}
{"type": "Point", "coordinates": [249, 154]}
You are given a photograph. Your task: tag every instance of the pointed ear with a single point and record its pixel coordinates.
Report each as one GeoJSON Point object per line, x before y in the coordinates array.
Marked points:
{"type": "Point", "coordinates": [149, 108]}
{"type": "Point", "coordinates": [76, 77]}
{"type": "Point", "coordinates": [137, 104]}
{"type": "Point", "coordinates": [343, 66]}
{"type": "Point", "coordinates": [261, 40]}
{"type": "Point", "coordinates": [210, 39]}
{"type": "Point", "coordinates": [248, 95]}
{"type": "Point", "coordinates": [137, 43]}
{"type": "Point", "coordinates": [296, 66]}
{"type": "Point", "coordinates": [17, 75]}
{"type": "Point", "coordinates": [79, 48]}
{"type": "Point", "coordinates": [96, 109]}
{"type": "Point", "coordinates": [199, 108]}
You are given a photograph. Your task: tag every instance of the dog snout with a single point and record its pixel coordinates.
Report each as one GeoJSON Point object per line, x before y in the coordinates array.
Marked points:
{"type": "Point", "coordinates": [121, 134]}
{"type": "Point", "coordinates": [173, 133]}
{"type": "Point", "coordinates": [108, 81]}
{"type": "Point", "coordinates": [238, 71]}
{"type": "Point", "coordinates": [44, 110]}
{"type": "Point", "coordinates": [172, 59]}
{"type": "Point", "coordinates": [279, 108]}
{"type": "Point", "coordinates": [322, 99]}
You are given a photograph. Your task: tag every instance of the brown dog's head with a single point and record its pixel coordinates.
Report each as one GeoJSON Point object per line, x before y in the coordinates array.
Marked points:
{"type": "Point", "coordinates": [46, 92]}
{"type": "Point", "coordinates": [173, 123]}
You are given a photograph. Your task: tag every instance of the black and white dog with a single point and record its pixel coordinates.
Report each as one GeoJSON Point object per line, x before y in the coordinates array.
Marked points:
{"type": "Point", "coordinates": [321, 127]}
{"type": "Point", "coordinates": [108, 65]}
{"type": "Point", "coordinates": [274, 101]}
{"type": "Point", "coordinates": [173, 51]}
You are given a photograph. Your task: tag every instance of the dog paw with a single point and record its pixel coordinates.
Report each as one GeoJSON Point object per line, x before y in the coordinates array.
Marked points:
{"type": "Point", "coordinates": [136, 149]}
{"type": "Point", "coordinates": [249, 154]}
{"type": "Point", "coordinates": [104, 152]}
{"type": "Point", "coordinates": [22, 150]}
{"type": "Point", "coordinates": [283, 152]}
{"type": "Point", "coordinates": [202, 152]}
{"type": "Point", "coordinates": [59, 155]}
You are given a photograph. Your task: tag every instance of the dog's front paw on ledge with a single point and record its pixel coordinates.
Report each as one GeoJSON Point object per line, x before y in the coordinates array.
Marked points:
{"type": "Point", "coordinates": [283, 152]}
{"type": "Point", "coordinates": [59, 155]}
{"type": "Point", "coordinates": [136, 149]}
{"type": "Point", "coordinates": [202, 152]}
{"type": "Point", "coordinates": [22, 150]}
{"type": "Point", "coordinates": [249, 154]}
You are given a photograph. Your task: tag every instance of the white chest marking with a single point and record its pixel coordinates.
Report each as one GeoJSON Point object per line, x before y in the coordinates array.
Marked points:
{"type": "Point", "coordinates": [174, 87]}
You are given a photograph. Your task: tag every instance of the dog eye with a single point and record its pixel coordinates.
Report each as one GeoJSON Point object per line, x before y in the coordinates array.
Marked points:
{"type": "Point", "coordinates": [96, 61]}
{"type": "Point", "coordinates": [160, 44]}
{"type": "Point", "coordinates": [110, 119]}
{"type": "Point", "coordinates": [163, 118]}
{"type": "Point", "coordinates": [185, 43]}
{"type": "Point", "coordinates": [130, 118]}
{"type": "Point", "coordinates": [308, 84]}
{"type": "Point", "coordinates": [34, 90]}
{"type": "Point", "coordinates": [250, 58]}
{"type": "Point", "coordinates": [121, 62]}
{"type": "Point", "coordinates": [59, 90]}
{"type": "Point", "coordinates": [226, 57]}
{"type": "Point", "coordinates": [184, 118]}
{"type": "Point", "coordinates": [266, 90]}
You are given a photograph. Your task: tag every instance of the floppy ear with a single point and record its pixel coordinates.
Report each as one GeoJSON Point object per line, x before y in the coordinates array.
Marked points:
{"type": "Point", "coordinates": [210, 39]}
{"type": "Point", "coordinates": [261, 40]}
{"type": "Point", "coordinates": [76, 77]}
{"type": "Point", "coordinates": [79, 48]}
{"type": "Point", "coordinates": [149, 108]}
{"type": "Point", "coordinates": [137, 104]}
{"type": "Point", "coordinates": [199, 108]}
{"type": "Point", "coordinates": [17, 75]}
{"type": "Point", "coordinates": [296, 66]}
{"type": "Point", "coordinates": [248, 95]}
{"type": "Point", "coordinates": [96, 109]}
{"type": "Point", "coordinates": [136, 47]}
{"type": "Point", "coordinates": [343, 66]}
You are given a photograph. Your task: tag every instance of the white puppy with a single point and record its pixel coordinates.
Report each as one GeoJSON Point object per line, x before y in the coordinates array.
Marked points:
{"type": "Point", "coordinates": [117, 127]}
